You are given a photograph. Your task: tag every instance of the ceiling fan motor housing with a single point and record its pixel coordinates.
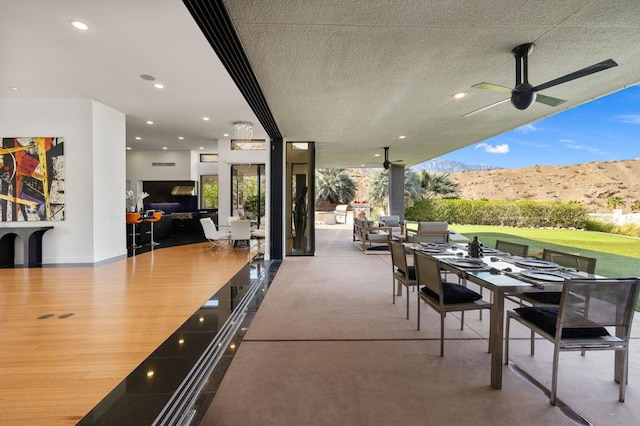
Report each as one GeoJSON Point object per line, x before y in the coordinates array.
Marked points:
{"type": "Point", "coordinates": [523, 96]}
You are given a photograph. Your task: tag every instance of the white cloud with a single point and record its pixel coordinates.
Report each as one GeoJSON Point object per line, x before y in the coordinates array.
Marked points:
{"type": "Point", "coordinates": [631, 119]}
{"type": "Point", "coordinates": [502, 148]}
{"type": "Point", "coordinates": [528, 128]}
{"type": "Point", "coordinates": [579, 147]}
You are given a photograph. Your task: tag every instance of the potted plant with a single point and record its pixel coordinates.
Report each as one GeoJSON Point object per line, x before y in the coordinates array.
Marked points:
{"type": "Point", "coordinates": [300, 212]}
{"type": "Point", "coordinates": [616, 203]}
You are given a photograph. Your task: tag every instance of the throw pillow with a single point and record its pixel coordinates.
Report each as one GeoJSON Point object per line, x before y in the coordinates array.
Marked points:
{"type": "Point", "coordinates": [454, 294]}
{"type": "Point", "coordinates": [547, 317]}
{"type": "Point", "coordinates": [412, 272]}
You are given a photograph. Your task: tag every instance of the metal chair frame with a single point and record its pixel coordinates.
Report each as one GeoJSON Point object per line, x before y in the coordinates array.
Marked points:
{"type": "Point", "coordinates": [605, 303]}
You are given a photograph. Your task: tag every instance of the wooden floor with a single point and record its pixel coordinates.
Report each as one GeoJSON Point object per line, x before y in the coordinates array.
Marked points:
{"type": "Point", "coordinates": [55, 367]}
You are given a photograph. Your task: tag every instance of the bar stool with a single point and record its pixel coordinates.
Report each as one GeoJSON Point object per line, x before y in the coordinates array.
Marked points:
{"type": "Point", "coordinates": [155, 217]}
{"type": "Point", "coordinates": [133, 219]}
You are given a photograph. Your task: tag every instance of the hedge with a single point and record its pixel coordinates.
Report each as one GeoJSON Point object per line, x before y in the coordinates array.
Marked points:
{"type": "Point", "coordinates": [524, 214]}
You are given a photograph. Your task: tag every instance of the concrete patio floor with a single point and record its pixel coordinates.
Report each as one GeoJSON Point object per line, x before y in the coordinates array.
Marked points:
{"type": "Point", "coordinates": [328, 347]}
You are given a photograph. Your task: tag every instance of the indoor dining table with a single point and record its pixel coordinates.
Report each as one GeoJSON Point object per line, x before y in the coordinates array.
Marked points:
{"type": "Point", "coordinates": [489, 272]}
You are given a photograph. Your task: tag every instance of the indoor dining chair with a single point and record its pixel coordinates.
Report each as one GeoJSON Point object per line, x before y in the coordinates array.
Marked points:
{"type": "Point", "coordinates": [574, 326]}
{"type": "Point", "coordinates": [212, 234]}
{"type": "Point", "coordinates": [402, 273]}
{"type": "Point", "coordinates": [240, 230]}
{"type": "Point", "coordinates": [442, 296]}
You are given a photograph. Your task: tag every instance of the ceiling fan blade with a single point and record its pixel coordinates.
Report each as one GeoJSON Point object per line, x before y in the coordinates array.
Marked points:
{"type": "Point", "coordinates": [548, 100]}
{"type": "Point", "coordinates": [494, 87]}
{"type": "Point", "coordinates": [486, 107]}
{"type": "Point", "coordinates": [601, 66]}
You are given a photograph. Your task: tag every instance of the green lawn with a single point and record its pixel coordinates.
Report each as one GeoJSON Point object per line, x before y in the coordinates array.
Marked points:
{"type": "Point", "coordinates": [618, 256]}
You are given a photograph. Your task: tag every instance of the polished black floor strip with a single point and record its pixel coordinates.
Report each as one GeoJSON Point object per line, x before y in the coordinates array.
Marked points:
{"type": "Point", "coordinates": [143, 394]}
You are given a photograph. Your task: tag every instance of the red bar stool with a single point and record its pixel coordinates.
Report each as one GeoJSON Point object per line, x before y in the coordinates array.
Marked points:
{"type": "Point", "coordinates": [133, 219]}
{"type": "Point", "coordinates": [155, 217]}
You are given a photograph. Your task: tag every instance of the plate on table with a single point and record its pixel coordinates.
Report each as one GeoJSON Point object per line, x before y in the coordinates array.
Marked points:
{"type": "Point", "coordinates": [543, 275]}
{"type": "Point", "coordinates": [533, 263]}
{"type": "Point", "coordinates": [468, 263]}
{"type": "Point", "coordinates": [430, 250]}
{"type": "Point", "coordinates": [486, 250]}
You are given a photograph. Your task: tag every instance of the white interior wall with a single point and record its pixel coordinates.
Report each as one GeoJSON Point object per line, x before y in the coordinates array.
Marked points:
{"type": "Point", "coordinates": [72, 241]}
{"type": "Point", "coordinates": [140, 166]}
{"type": "Point", "coordinates": [108, 182]}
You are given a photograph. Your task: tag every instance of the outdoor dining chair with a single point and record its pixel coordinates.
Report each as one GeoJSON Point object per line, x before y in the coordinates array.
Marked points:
{"type": "Point", "coordinates": [568, 260]}
{"type": "Point", "coordinates": [442, 296]}
{"type": "Point", "coordinates": [574, 326]}
{"type": "Point", "coordinates": [402, 273]}
{"type": "Point", "coordinates": [515, 249]}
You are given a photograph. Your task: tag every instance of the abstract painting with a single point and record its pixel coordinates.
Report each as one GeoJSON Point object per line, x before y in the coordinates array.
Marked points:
{"type": "Point", "coordinates": [31, 179]}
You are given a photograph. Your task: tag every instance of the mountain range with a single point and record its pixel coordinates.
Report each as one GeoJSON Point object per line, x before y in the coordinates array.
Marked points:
{"type": "Point", "coordinates": [446, 166]}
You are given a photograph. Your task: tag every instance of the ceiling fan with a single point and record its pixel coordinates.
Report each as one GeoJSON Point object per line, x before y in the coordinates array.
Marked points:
{"type": "Point", "coordinates": [386, 164]}
{"type": "Point", "coordinates": [524, 94]}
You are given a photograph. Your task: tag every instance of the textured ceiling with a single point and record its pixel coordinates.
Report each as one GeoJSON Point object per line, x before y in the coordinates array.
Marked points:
{"type": "Point", "coordinates": [354, 75]}
{"type": "Point", "coordinates": [349, 75]}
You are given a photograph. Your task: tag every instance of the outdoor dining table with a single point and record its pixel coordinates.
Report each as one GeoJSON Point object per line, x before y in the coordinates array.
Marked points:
{"type": "Point", "coordinates": [492, 276]}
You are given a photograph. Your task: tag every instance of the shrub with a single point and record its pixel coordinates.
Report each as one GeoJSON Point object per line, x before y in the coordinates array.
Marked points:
{"type": "Point", "coordinates": [500, 213]}
{"type": "Point", "coordinates": [598, 226]}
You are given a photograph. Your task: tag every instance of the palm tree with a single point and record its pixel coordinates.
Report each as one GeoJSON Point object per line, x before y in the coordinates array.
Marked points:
{"type": "Point", "coordinates": [334, 186]}
{"type": "Point", "coordinates": [437, 185]}
{"type": "Point", "coordinates": [379, 188]}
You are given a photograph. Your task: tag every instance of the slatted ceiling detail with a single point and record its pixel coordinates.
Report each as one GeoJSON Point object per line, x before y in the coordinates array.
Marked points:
{"type": "Point", "coordinates": [216, 25]}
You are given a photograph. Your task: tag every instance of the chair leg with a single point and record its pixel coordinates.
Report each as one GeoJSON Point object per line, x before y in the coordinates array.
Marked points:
{"type": "Point", "coordinates": [533, 343]}
{"type": "Point", "coordinates": [625, 374]}
{"type": "Point", "coordinates": [407, 302]}
{"type": "Point", "coordinates": [418, 297]}
{"type": "Point", "coordinates": [394, 290]}
{"type": "Point", "coordinates": [506, 340]}
{"type": "Point", "coordinates": [554, 377]}
{"type": "Point", "coordinates": [441, 335]}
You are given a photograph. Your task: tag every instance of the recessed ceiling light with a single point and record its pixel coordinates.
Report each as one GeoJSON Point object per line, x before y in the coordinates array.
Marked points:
{"type": "Point", "coordinates": [376, 155]}
{"type": "Point", "coordinates": [226, 135]}
{"type": "Point", "coordinates": [149, 122]}
{"type": "Point", "coordinates": [79, 25]}
{"type": "Point", "coordinates": [138, 138]}
{"type": "Point", "coordinates": [181, 137]}
{"type": "Point", "coordinates": [205, 118]}
{"type": "Point", "coordinates": [361, 165]}
{"type": "Point", "coordinates": [459, 95]}
{"type": "Point", "coordinates": [202, 147]}
{"type": "Point", "coordinates": [401, 137]}
{"type": "Point", "coordinates": [15, 89]}
{"type": "Point", "coordinates": [128, 148]}
{"type": "Point", "coordinates": [164, 147]}
{"type": "Point", "coordinates": [159, 86]}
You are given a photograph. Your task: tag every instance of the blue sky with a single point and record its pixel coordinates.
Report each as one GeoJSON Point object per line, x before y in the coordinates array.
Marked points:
{"type": "Point", "coordinates": [606, 129]}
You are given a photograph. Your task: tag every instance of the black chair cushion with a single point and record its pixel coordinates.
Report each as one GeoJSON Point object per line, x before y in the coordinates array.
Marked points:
{"type": "Point", "coordinates": [454, 294]}
{"type": "Point", "coordinates": [546, 317]}
{"type": "Point", "coordinates": [549, 298]}
{"type": "Point", "coordinates": [412, 272]}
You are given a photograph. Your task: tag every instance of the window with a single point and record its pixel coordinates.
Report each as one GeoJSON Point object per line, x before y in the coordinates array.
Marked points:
{"type": "Point", "coordinates": [209, 185]}
{"type": "Point", "coordinates": [248, 144]}
{"type": "Point", "coordinates": [208, 158]}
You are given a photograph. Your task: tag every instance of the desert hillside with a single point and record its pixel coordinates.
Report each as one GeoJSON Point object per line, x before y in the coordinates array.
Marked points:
{"type": "Point", "coordinates": [591, 183]}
